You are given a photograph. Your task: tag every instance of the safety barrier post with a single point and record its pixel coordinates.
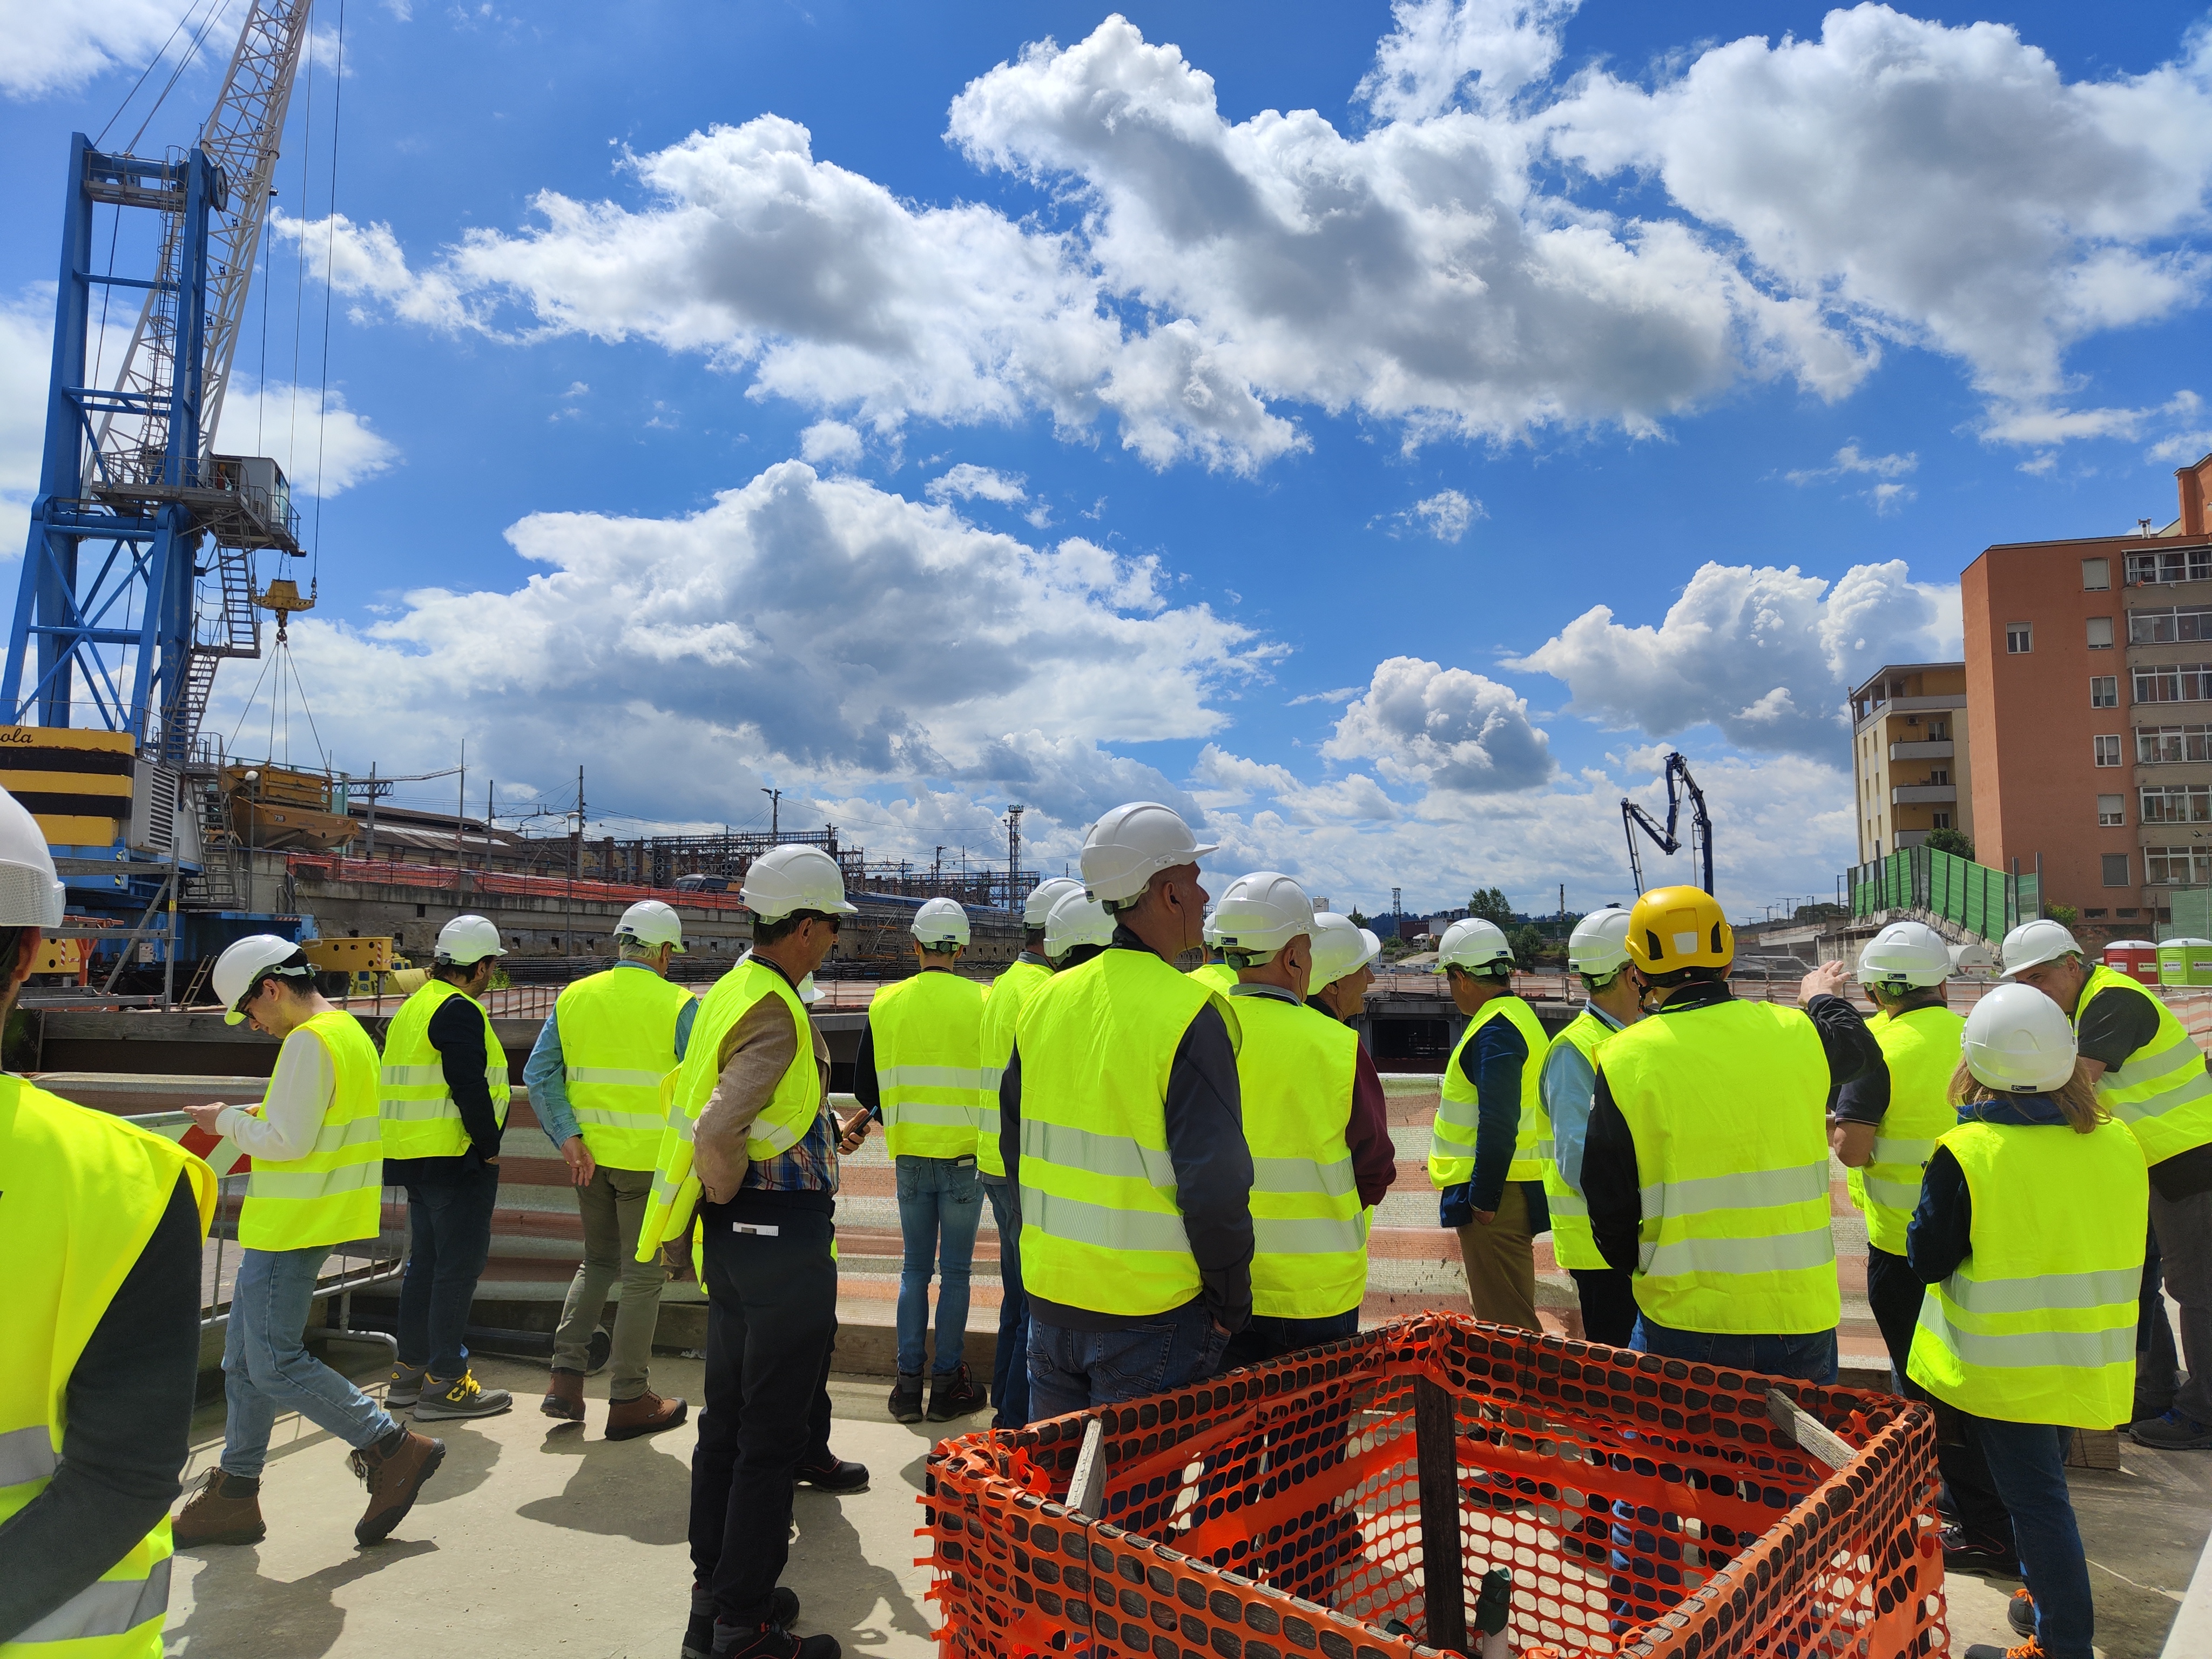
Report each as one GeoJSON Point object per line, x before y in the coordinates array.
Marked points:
{"type": "Point", "coordinates": [1444, 1571]}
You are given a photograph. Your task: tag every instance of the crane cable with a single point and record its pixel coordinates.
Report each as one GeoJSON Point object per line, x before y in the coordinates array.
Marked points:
{"type": "Point", "coordinates": [330, 288]}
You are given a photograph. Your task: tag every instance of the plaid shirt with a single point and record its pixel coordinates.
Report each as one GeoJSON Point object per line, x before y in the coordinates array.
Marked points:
{"type": "Point", "coordinates": [809, 1166]}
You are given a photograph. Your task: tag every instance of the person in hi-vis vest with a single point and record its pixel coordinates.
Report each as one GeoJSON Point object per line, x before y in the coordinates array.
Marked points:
{"type": "Point", "coordinates": [2029, 1237]}
{"type": "Point", "coordinates": [316, 1182]}
{"type": "Point", "coordinates": [919, 1072]}
{"type": "Point", "coordinates": [612, 1039]}
{"type": "Point", "coordinates": [1344, 967]}
{"type": "Point", "coordinates": [101, 1225]}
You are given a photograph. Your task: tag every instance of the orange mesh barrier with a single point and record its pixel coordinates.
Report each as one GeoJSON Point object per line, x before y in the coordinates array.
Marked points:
{"type": "Point", "coordinates": [1644, 1506]}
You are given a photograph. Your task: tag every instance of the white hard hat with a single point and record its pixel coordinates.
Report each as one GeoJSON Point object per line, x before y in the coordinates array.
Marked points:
{"type": "Point", "coordinates": [1046, 894]}
{"type": "Point", "coordinates": [1474, 944]}
{"type": "Point", "coordinates": [467, 940]}
{"type": "Point", "coordinates": [787, 879]}
{"type": "Point", "coordinates": [1131, 844]}
{"type": "Point", "coordinates": [1599, 944]}
{"type": "Point", "coordinates": [1260, 913]}
{"type": "Point", "coordinates": [1339, 949]}
{"type": "Point", "coordinates": [651, 923]}
{"type": "Point", "coordinates": [1076, 920]}
{"type": "Point", "coordinates": [2034, 943]}
{"type": "Point", "coordinates": [1374, 943]}
{"type": "Point", "coordinates": [1906, 953]}
{"type": "Point", "coordinates": [30, 896]}
{"type": "Point", "coordinates": [243, 962]}
{"type": "Point", "coordinates": [940, 924]}
{"type": "Point", "coordinates": [2019, 1041]}
{"type": "Point", "coordinates": [1210, 928]}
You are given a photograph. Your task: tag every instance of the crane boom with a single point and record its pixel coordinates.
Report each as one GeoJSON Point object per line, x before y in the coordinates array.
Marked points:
{"type": "Point", "coordinates": [1634, 817]}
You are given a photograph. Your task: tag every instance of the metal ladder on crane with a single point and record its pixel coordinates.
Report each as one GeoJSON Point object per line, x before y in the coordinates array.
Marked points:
{"type": "Point", "coordinates": [235, 632]}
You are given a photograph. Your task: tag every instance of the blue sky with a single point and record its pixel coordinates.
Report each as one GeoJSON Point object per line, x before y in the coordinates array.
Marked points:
{"type": "Point", "coordinates": [921, 409]}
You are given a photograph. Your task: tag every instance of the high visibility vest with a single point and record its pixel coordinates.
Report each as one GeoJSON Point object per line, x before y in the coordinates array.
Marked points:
{"type": "Point", "coordinates": [335, 1191]}
{"type": "Point", "coordinates": [1573, 1245]}
{"type": "Point", "coordinates": [1728, 1106]}
{"type": "Point", "coordinates": [1000, 1009]}
{"type": "Point", "coordinates": [1215, 977]}
{"type": "Point", "coordinates": [421, 1117]}
{"type": "Point", "coordinates": [1100, 1228]}
{"type": "Point", "coordinates": [1921, 1048]}
{"type": "Point", "coordinates": [1294, 1069]}
{"type": "Point", "coordinates": [927, 1033]}
{"type": "Point", "coordinates": [82, 1194]}
{"type": "Point", "coordinates": [1451, 1137]}
{"type": "Point", "coordinates": [790, 1113]}
{"type": "Point", "coordinates": [2038, 1325]}
{"type": "Point", "coordinates": [2163, 1093]}
{"type": "Point", "coordinates": [617, 1030]}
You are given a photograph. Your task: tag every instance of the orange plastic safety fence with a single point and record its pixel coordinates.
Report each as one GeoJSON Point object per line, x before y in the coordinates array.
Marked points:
{"type": "Point", "coordinates": [1643, 1505]}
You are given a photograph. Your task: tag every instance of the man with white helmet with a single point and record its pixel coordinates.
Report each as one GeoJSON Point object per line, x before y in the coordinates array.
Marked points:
{"type": "Point", "coordinates": [1597, 951]}
{"type": "Point", "coordinates": [1216, 970]}
{"type": "Point", "coordinates": [751, 1149]}
{"type": "Point", "coordinates": [444, 1110]}
{"type": "Point", "coordinates": [1119, 1120]}
{"type": "Point", "coordinates": [2150, 1074]}
{"type": "Point", "coordinates": [1077, 930]}
{"type": "Point", "coordinates": [919, 1072]}
{"type": "Point", "coordinates": [318, 1181]}
{"type": "Point", "coordinates": [594, 1076]}
{"type": "Point", "coordinates": [1490, 1139]}
{"type": "Point", "coordinates": [1344, 956]}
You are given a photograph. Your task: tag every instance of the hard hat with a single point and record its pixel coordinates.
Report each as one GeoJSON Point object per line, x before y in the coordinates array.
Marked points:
{"type": "Point", "coordinates": [1131, 844]}
{"type": "Point", "coordinates": [940, 924]}
{"type": "Point", "coordinates": [1042, 897]}
{"type": "Point", "coordinates": [1599, 944]}
{"type": "Point", "coordinates": [1210, 929]}
{"type": "Point", "coordinates": [1339, 949]}
{"type": "Point", "coordinates": [1675, 927]}
{"type": "Point", "coordinates": [2034, 943]}
{"type": "Point", "coordinates": [2020, 1041]}
{"type": "Point", "coordinates": [1260, 913]}
{"type": "Point", "coordinates": [787, 879]}
{"type": "Point", "coordinates": [243, 962]}
{"type": "Point", "coordinates": [809, 992]}
{"type": "Point", "coordinates": [1905, 953]}
{"type": "Point", "coordinates": [1076, 919]}
{"type": "Point", "coordinates": [467, 940]}
{"type": "Point", "coordinates": [1474, 944]}
{"type": "Point", "coordinates": [651, 923]}
{"type": "Point", "coordinates": [30, 896]}
{"type": "Point", "coordinates": [1374, 943]}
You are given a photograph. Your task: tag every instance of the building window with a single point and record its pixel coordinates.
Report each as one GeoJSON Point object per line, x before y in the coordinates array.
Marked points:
{"type": "Point", "coordinates": [2020, 637]}
{"type": "Point", "coordinates": [1939, 731]}
{"type": "Point", "coordinates": [2100, 633]}
{"type": "Point", "coordinates": [1939, 777]}
{"type": "Point", "coordinates": [2157, 746]}
{"type": "Point", "coordinates": [2172, 866]}
{"type": "Point", "coordinates": [2115, 869]}
{"type": "Point", "coordinates": [2188, 682]}
{"type": "Point", "coordinates": [2111, 811]}
{"type": "Point", "coordinates": [1939, 820]}
{"type": "Point", "coordinates": [2186, 564]}
{"type": "Point", "coordinates": [2104, 690]}
{"type": "Point", "coordinates": [2175, 803]}
{"type": "Point", "coordinates": [2097, 574]}
{"type": "Point", "coordinates": [2173, 625]}
{"type": "Point", "coordinates": [2106, 750]}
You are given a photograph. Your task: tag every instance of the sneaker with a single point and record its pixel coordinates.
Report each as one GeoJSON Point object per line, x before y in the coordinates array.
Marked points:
{"type": "Point", "coordinates": [906, 1399]}
{"type": "Point", "coordinates": [647, 1414]}
{"type": "Point", "coordinates": [954, 1393]}
{"type": "Point", "coordinates": [403, 1387]}
{"type": "Point", "coordinates": [2031, 1648]}
{"type": "Point", "coordinates": [2020, 1612]}
{"type": "Point", "coordinates": [221, 1512]}
{"type": "Point", "coordinates": [462, 1397]}
{"type": "Point", "coordinates": [834, 1476]}
{"type": "Point", "coordinates": [699, 1629]}
{"type": "Point", "coordinates": [771, 1641]}
{"type": "Point", "coordinates": [393, 1470]}
{"type": "Point", "coordinates": [564, 1395]}
{"type": "Point", "coordinates": [2175, 1432]}
{"type": "Point", "coordinates": [1964, 1552]}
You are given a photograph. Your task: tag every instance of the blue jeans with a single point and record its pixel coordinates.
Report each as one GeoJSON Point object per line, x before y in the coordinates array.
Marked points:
{"type": "Point", "coordinates": [266, 1368]}
{"type": "Point", "coordinates": [2027, 1464]}
{"type": "Point", "coordinates": [940, 1205]}
{"type": "Point", "coordinates": [1270, 1336]}
{"type": "Point", "coordinates": [1810, 1357]}
{"type": "Point", "coordinates": [1071, 1370]}
{"type": "Point", "coordinates": [1010, 1369]}
{"type": "Point", "coordinates": [449, 1238]}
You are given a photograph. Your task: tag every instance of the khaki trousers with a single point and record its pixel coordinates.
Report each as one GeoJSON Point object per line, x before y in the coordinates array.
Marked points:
{"type": "Point", "coordinates": [1501, 1263]}
{"type": "Point", "coordinates": [613, 1209]}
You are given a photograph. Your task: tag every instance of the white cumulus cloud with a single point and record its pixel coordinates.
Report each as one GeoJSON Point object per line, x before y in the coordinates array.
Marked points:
{"type": "Point", "coordinates": [324, 446]}
{"type": "Point", "coordinates": [830, 443]}
{"type": "Point", "coordinates": [965, 480]}
{"type": "Point", "coordinates": [58, 48]}
{"type": "Point", "coordinates": [1422, 723]}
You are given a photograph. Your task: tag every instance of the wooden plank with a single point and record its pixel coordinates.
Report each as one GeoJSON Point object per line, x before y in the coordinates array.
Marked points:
{"type": "Point", "coordinates": [1443, 1571]}
{"type": "Point", "coordinates": [1086, 1488]}
{"type": "Point", "coordinates": [1806, 1433]}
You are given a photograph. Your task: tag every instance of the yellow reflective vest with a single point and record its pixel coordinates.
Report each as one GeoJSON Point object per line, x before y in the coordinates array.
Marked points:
{"type": "Point", "coordinates": [1000, 1010]}
{"type": "Point", "coordinates": [1215, 977]}
{"type": "Point", "coordinates": [617, 1030]}
{"type": "Point", "coordinates": [1451, 1137]}
{"type": "Point", "coordinates": [81, 1194]}
{"type": "Point", "coordinates": [2163, 1093]}
{"type": "Point", "coordinates": [1728, 1107]}
{"type": "Point", "coordinates": [928, 1035]}
{"type": "Point", "coordinates": [2038, 1325]}
{"type": "Point", "coordinates": [1294, 1070]}
{"type": "Point", "coordinates": [1573, 1246]}
{"type": "Point", "coordinates": [1100, 1227]}
{"type": "Point", "coordinates": [1921, 1048]}
{"type": "Point", "coordinates": [420, 1118]}
{"type": "Point", "coordinates": [335, 1191]}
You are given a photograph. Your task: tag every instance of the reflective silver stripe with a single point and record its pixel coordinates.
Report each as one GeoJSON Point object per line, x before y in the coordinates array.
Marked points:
{"type": "Point", "coordinates": [1099, 1155]}
{"type": "Point", "coordinates": [929, 1077]}
{"type": "Point", "coordinates": [1721, 1256]}
{"type": "Point", "coordinates": [1902, 1151]}
{"type": "Point", "coordinates": [926, 1113]}
{"type": "Point", "coordinates": [679, 1120]}
{"type": "Point", "coordinates": [987, 1120]}
{"type": "Point", "coordinates": [414, 1076]}
{"type": "Point", "coordinates": [1535, 1149]}
{"type": "Point", "coordinates": [1460, 1114]}
{"type": "Point", "coordinates": [2104, 1288]}
{"type": "Point", "coordinates": [1311, 1235]}
{"type": "Point", "coordinates": [112, 1606]}
{"type": "Point", "coordinates": [1891, 1194]}
{"type": "Point", "coordinates": [417, 1111]}
{"type": "Point", "coordinates": [1567, 1203]}
{"type": "Point", "coordinates": [354, 1132]}
{"type": "Point", "coordinates": [1302, 1175]}
{"type": "Point", "coordinates": [618, 1076]}
{"type": "Point", "coordinates": [2141, 1068]}
{"type": "Point", "coordinates": [612, 1117]}
{"type": "Point", "coordinates": [1094, 1223]}
{"type": "Point", "coordinates": [26, 1455]}
{"type": "Point", "coordinates": [1757, 1190]}
{"type": "Point", "coordinates": [993, 1076]}
{"type": "Point", "coordinates": [774, 1136]}
{"type": "Point", "coordinates": [313, 1183]}
{"type": "Point", "coordinates": [2135, 1111]}
{"type": "Point", "coordinates": [2020, 1350]}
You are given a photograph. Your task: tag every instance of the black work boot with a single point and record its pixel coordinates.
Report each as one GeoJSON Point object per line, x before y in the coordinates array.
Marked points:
{"type": "Point", "coordinates": [955, 1394]}
{"type": "Point", "coordinates": [906, 1399]}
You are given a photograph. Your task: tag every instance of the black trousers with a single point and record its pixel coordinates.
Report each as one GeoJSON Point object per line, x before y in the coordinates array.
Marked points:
{"type": "Point", "coordinates": [771, 1318]}
{"type": "Point", "coordinates": [1608, 1299]}
{"type": "Point", "coordinates": [1894, 1293]}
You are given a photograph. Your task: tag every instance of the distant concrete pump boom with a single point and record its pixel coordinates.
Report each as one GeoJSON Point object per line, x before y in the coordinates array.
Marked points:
{"type": "Point", "coordinates": [1634, 817]}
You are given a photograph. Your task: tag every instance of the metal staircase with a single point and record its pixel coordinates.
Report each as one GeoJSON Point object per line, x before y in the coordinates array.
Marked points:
{"type": "Point", "coordinates": [234, 631]}
{"type": "Point", "coordinates": [215, 886]}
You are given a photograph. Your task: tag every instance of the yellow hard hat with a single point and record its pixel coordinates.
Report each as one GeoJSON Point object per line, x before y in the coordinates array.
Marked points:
{"type": "Point", "coordinates": [1673, 927]}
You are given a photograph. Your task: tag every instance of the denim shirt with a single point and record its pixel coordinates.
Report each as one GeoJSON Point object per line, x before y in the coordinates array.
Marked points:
{"type": "Point", "coordinates": [546, 1073]}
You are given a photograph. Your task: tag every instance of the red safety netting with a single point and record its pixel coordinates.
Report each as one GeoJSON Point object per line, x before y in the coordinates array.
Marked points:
{"type": "Point", "coordinates": [1644, 1507]}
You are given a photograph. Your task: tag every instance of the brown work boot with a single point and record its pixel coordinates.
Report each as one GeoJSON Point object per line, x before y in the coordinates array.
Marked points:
{"type": "Point", "coordinates": [224, 1511]}
{"type": "Point", "coordinates": [647, 1414]}
{"type": "Point", "coordinates": [564, 1395]}
{"type": "Point", "coordinates": [393, 1470]}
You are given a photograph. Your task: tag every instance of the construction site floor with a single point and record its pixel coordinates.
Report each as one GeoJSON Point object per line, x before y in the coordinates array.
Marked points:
{"type": "Point", "coordinates": [539, 1538]}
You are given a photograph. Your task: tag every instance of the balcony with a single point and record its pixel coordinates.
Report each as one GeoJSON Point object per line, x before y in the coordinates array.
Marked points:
{"type": "Point", "coordinates": [1889, 706]}
{"type": "Point", "coordinates": [1940, 749]}
{"type": "Point", "coordinates": [1919, 794]}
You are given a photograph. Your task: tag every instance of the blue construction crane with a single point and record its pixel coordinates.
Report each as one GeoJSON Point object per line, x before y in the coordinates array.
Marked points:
{"type": "Point", "coordinates": [1634, 817]}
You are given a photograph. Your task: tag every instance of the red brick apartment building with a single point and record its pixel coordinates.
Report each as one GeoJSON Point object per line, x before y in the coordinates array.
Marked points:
{"type": "Point", "coordinates": [2089, 711]}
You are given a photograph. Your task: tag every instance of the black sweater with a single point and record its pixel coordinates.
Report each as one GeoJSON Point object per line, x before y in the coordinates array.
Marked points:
{"type": "Point", "coordinates": [457, 1032]}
